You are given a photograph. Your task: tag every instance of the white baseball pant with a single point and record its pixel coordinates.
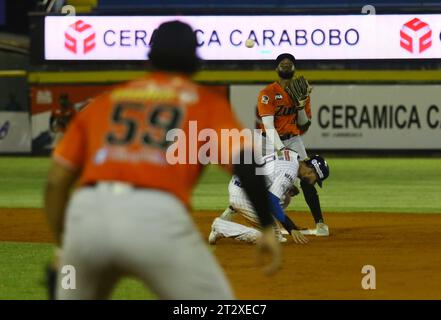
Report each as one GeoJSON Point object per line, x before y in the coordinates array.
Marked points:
{"type": "Point", "coordinates": [114, 230]}
{"type": "Point", "coordinates": [241, 205]}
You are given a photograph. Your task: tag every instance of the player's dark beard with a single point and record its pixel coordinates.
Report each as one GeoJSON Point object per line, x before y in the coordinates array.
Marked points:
{"type": "Point", "coordinates": [285, 74]}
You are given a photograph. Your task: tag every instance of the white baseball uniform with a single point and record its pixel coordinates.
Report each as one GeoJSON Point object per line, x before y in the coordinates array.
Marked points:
{"type": "Point", "coordinates": [280, 172]}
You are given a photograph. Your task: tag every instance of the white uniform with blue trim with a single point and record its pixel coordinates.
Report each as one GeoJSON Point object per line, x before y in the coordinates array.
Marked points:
{"type": "Point", "coordinates": [280, 171]}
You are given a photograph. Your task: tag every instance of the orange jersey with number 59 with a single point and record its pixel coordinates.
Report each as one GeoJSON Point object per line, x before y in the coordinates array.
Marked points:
{"type": "Point", "coordinates": [274, 101]}
{"type": "Point", "coordinates": [123, 134]}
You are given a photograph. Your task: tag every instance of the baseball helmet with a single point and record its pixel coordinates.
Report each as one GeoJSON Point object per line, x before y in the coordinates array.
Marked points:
{"type": "Point", "coordinates": [321, 167]}
{"type": "Point", "coordinates": [173, 48]}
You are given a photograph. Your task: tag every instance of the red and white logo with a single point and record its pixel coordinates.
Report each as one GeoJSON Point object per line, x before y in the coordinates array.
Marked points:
{"type": "Point", "coordinates": [79, 38]}
{"type": "Point", "coordinates": [416, 36]}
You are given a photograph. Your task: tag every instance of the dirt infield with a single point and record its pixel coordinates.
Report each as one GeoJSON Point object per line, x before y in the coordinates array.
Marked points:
{"type": "Point", "coordinates": [405, 249]}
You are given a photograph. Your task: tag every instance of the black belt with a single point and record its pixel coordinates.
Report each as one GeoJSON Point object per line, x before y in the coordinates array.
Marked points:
{"type": "Point", "coordinates": [283, 137]}
{"type": "Point", "coordinates": [90, 185]}
{"type": "Point", "coordinates": [95, 184]}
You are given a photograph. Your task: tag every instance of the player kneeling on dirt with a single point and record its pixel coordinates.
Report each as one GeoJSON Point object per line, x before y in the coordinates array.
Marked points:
{"type": "Point", "coordinates": [281, 170]}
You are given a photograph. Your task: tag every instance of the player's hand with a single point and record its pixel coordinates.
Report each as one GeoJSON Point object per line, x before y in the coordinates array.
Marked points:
{"type": "Point", "coordinates": [280, 151]}
{"type": "Point", "coordinates": [285, 200]}
{"type": "Point", "coordinates": [269, 244]}
{"type": "Point", "coordinates": [298, 237]}
{"type": "Point", "coordinates": [293, 191]}
{"type": "Point", "coordinates": [301, 105]}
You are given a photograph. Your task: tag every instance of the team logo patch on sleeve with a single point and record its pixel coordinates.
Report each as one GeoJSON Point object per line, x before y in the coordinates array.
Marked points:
{"type": "Point", "coordinates": [265, 99]}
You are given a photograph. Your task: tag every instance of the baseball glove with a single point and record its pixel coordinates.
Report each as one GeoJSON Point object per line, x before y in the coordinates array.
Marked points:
{"type": "Point", "coordinates": [298, 89]}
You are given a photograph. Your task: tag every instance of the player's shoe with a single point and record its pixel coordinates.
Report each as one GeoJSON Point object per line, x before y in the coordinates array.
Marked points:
{"type": "Point", "coordinates": [214, 235]}
{"type": "Point", "coordinates": [281, 238]}
{"type": "Point", "coordinates": [322, 230]}
{"type": "Point", "coordinates": [228, 214]}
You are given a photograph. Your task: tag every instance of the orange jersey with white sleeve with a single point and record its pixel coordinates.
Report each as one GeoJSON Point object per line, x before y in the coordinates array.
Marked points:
{"type": "Point", "coordinates": [274, 101]}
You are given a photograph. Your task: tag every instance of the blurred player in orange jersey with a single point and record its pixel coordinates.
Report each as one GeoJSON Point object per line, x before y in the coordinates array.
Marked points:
{"type": "Point", "coordinates": [129, 215]}
{"type": "Point", "coordinates": [284, 120]}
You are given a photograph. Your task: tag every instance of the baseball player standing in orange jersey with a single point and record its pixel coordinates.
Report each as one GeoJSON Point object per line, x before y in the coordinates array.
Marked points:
{"type": "Point", "coordinates": [129, 214]}
{"type": "Point", "coordinates": [285, 118]}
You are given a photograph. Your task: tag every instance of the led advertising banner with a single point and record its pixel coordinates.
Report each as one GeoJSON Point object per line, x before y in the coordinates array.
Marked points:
{"type": "Point", "coordinates": [410, 36]}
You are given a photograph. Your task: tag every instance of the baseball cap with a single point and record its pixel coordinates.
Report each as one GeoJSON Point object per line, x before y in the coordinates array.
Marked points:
{"type": "Point", "coordinates": [173, 48]}
{"type": "Point", "coordinates": [320, 165]}
{"type": "Point", "coordinates": [284, 56]}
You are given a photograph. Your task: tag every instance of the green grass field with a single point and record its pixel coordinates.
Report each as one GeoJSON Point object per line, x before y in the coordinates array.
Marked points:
{"type": "Point", "coordinates": [22, 274]}
{"type": "Point", "coordinates": [355, 185]}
